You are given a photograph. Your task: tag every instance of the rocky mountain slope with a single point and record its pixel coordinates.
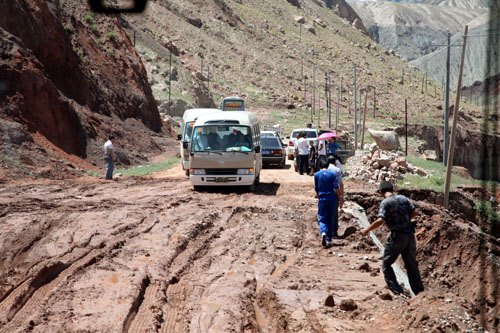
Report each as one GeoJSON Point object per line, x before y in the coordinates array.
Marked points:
{"type": "Point", "coordinates": [68, 79]}
{"type": "Point", "coordinates": [468, 4]}
{"type": "Point", "coordinates": [413, 30]}
{"type": "Point", "coordinates": [482, 48]}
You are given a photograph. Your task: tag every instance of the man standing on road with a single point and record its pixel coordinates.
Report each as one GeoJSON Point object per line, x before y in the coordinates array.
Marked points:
{"type": "Point", "coordinates": [327, 191]}
{"type": "Point", "coordinates": [397, 212]}
{"type": "Point", "coordinates": [303, 148]}
{"type": "Point", "coordinates": [338, 172]}
{"type": "Point", "coordinates": [109, 157]}
{"type": "Point", "coordinates": [321, 152]}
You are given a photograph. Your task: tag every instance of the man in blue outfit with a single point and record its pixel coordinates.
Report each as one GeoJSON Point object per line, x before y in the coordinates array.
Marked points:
{"type": "Point", "coordinates": [397, 212]}
{"type": "Point", "coordinates": [327, 191]}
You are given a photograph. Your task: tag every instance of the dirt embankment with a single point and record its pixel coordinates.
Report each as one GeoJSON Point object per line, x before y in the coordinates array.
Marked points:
{"type": "Point", "coordinates": [473, 150]}
{"type": "Point", "coordinates": [73, 78]}
{"type": "Point", "coordinates": [151, 254]}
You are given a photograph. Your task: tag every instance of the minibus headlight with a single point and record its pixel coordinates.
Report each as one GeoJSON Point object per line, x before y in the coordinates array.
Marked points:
{"type": "Point", "coordinates": [197, 171]}
{"type": "Point", "coordinates": [245, 171]}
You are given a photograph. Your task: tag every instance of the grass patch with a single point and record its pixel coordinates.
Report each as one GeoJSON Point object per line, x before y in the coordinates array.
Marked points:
{"type": "Point", "coordinates": [148, 169]}
{"type": "Point", "coordinates": [94, 173]}
{"type": "Point", "coordinates": [436, 177]}
{"type": "Point", "coordinates": [111, 35]}
{"type": "Point", "coordinates": [488, 211]}
{"type": "Point", "coordinates": [89, 17]}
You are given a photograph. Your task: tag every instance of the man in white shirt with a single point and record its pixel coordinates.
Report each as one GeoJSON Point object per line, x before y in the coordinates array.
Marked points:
{"type": "Point", "coordinates": [303, 148]}
{"type": "Point", "coordinates": [338, 172]}
{"type": "Point", "coordinates": [109, 157]}
{"type": "Point", "coordinates": [321, 151]}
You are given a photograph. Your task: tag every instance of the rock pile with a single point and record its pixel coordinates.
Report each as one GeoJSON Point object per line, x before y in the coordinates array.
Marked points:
{"type": "Point", "coordinates": [376, 165]}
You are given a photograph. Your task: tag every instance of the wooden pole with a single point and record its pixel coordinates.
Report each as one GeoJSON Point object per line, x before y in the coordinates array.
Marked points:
{"type": "Point", "coordinates": [406, 126]}
{"type": "Point", "coordinates": [364, 121]}
{"type": "Point", "coordinates": [423, 77]}
{"type": "Point", "coordinates": [449, 166]}
{"type": "Point", "coordinates": [338, 110]}
{"type": "Point", "coordinates": [170, 84]}
{"type": "Point", "coordinates": [355, 112]}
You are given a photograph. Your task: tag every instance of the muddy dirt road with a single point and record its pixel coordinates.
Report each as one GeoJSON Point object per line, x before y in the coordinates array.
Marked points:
{"type": "Point", "coordinates": [150, 254]}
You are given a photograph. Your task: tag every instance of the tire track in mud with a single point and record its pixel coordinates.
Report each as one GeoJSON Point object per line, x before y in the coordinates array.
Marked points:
{"type": "Point", "coordinates": [184, 255]}
{"type": "Point", "coordinates": [33, 293]}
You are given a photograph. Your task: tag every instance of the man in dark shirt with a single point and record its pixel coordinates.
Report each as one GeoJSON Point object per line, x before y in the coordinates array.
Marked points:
{"type": "Point", "coordinates": [327, 191]}
{"type": "Point", "coordinates": [397, 212]}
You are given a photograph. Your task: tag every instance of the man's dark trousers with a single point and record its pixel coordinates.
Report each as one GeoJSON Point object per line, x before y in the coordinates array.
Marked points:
{"type": "Point", "coordinates": [404, 244]}
{"type": "Point", "coordinates": [303, 161]}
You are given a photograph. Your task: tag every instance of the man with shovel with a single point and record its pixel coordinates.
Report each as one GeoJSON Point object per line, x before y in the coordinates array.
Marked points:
{"type": "Point", "coordinates": [397, 211]}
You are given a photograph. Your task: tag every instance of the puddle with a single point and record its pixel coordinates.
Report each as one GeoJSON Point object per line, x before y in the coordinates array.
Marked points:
{"type": "Point", "coordinates": [285, 265]}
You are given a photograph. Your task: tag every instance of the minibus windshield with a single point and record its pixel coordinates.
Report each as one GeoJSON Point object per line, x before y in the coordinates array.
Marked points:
{"type": "Point", "coordinates": [222, 138]}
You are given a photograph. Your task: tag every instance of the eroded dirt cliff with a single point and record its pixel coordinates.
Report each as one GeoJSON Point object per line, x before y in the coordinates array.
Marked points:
{"type": "Point", "coordinates": [70, 78]}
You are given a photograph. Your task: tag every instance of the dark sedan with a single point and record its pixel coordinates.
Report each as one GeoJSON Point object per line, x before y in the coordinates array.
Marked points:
{"type": "Point", "coordinates": [273, 152]}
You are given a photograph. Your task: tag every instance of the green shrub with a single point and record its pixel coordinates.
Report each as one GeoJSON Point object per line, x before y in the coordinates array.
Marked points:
{"type": "Point", "coordinates": [488, 211]}
{"type": "Point", "coordinates": [111, 35]}
{"type": "Point", "coordinates": [89, 17]}
{"type": "Point", "coordinates": [93, 27]}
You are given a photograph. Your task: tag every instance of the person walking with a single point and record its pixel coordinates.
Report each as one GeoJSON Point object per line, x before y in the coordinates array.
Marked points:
{"type": "Point", "coordinates": [397, 211]}
{"type": "Point", "coordinates": [321, 152]}
{"type": "Point", "coordinates": [303, 149]}
{"type": "Point", "coordinates": [332, 160]}
{"type": "Point", "coordinates": [327, 192]}
{"type": "Point", "coordinates": [109, 157]}
{"type": "Point", "coordinates": [312, 157]}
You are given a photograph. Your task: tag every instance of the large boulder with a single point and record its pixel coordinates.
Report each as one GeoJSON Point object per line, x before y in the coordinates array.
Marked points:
{"type": "Point", "coordinates": [386, 140]}
{"type": "Point", "coordinates": [177, 108]}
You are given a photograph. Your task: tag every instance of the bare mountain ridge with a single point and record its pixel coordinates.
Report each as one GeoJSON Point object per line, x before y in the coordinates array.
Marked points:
{"type": "Point", "coordinates": [467, 4]}
{"type": "Point", "coordinates": [476, 62]}
{"type": "Point", "coordinates": [413, 29]}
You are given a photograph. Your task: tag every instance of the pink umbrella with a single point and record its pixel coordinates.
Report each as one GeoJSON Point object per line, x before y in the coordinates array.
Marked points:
{"type": "Point", "coordinates": [327, 135]}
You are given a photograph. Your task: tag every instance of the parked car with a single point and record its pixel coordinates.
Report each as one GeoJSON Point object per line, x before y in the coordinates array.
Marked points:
{"type": "Point", "coordinates": [311, 134]}
{"type": "Point", "coordinates": [270, 134]}
{"type": "Point", "coordinates": [273, 151]}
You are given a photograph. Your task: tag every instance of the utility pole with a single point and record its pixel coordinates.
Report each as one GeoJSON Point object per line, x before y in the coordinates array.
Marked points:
{"type": "Point", "coordinates": [364, 120]}
{"type": "Point", "coordinates": [406, 126]}
{"type": "Point", "coordinates": [447, 103]}
{"type": "Point", "coordinates": [314, 86]}
{"type": "Point", "coordinates": [302, 53]}
{"type": "Point", "coordinates": [338, 109]}
{"type": "Point", "coordinates": [170, 84]}
{"type": "Point", "coordinates": [423, 78]}
{"type": "Point", "coordinates": [449, 167]}
{"type": "Point", "coordinates": [208, 77]}
{"type": "Point", "coordinates": [328, 102]}
{"type": "Point", "coordinates": [355, 113]}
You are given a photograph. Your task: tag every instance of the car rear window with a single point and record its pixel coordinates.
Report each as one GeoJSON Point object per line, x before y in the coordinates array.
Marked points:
{"type": "Point", "coordinates": [271, 143]}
